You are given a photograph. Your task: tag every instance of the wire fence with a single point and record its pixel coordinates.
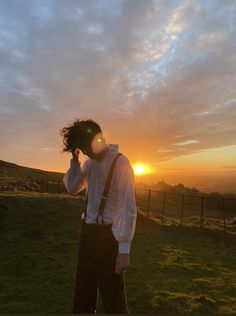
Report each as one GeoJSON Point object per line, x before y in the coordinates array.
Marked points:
{"type": "Point", "coordinates": [34, 186]}
{"type": "Point", "coordinates": [165, 207]}
{"type": "Point", "coordinates": [191, 210]}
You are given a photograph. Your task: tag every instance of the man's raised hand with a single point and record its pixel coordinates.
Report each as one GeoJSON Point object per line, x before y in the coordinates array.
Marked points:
{"type": "Point", "coordinates": [75, 154]}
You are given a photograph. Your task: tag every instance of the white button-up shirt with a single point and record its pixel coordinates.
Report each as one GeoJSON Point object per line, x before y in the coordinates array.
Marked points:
{"type": "Point", "coordinates": [120, 209]}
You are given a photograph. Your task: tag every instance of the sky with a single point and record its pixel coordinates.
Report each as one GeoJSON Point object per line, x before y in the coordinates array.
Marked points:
{"type": "Point", "coordinates": [159, 77]}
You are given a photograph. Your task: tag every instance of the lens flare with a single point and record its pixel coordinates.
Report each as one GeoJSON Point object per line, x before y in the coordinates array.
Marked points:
{"type": "Point", "coordinates": [98, 143]}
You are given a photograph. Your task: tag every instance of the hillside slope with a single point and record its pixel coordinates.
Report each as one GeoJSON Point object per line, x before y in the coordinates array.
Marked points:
{"type": "Point", "coordinates": [13, 172]}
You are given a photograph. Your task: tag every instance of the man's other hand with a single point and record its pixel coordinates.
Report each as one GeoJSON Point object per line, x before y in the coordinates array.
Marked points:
{"type": "Point", "coordinates": [122, 262]}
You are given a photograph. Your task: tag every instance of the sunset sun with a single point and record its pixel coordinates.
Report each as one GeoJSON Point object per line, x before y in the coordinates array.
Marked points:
{"type": "Point", "coordinates": [141, 169]}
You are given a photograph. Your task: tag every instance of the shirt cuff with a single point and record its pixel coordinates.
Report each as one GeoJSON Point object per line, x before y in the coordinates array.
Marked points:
{"type": "Point", "coordinates": [124, 247]}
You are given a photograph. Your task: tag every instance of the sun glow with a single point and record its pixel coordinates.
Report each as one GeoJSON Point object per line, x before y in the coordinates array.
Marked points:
{"type": "Point", "coordinates": [140, 169]}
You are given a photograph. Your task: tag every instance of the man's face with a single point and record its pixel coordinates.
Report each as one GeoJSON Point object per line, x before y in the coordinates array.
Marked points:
{"type": "Point", "coordinates": [95, 147]}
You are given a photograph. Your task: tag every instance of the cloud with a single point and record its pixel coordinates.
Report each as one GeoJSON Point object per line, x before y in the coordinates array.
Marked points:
{"type": "Point", "coordinates": [187, 142]}
{"type": "Point", "coordinates": [230, 167]}
{"type": "Point", "coordinates": [47, 149]}
{"type": "Point", "coordinates": [153, 70]}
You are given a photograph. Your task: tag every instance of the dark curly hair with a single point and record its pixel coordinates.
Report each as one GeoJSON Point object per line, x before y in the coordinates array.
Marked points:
{"type": "Point", "coordinates": [79, 134]}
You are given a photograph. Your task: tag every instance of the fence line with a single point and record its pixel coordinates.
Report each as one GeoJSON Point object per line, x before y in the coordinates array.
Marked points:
{"type": "Point", "coordinates": [207, 215]}
{"type": "Point", "coordinates": [165, 209]}
{"type": "Point", "coordinates": [34, 186]}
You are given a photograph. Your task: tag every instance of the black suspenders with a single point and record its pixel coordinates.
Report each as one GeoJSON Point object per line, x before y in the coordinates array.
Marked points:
{"type": "Point", "coordinates": [99, 218]}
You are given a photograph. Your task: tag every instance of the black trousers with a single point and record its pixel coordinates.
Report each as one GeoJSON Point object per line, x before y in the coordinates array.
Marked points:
{"type": "Point", "coordinates": [98, 250]}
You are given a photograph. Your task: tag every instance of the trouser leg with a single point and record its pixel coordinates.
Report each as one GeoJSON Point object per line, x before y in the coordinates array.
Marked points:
{"type": "Point", "coordinates": [85, 294]}
{"type": "Point", "coordinates": [113, 295]}
{"type": "Point", "coordinates": [111, 285]}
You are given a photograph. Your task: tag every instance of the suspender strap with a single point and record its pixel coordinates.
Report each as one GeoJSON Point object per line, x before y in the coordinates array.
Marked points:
{"type": "Point", "coordinates": [107, 185]}
{"type": "Point", "coordinates": [86, 199]}
{"type": "Point", "coordinates": [105, 192]}
{"type": "Point", "coordinates": [84, 212]}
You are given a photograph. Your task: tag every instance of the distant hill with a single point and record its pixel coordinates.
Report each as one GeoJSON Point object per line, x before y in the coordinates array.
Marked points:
{"type": "Point", "coordinates": [180, 188]}
{"type": "Point", "coordinates": [13, 172]}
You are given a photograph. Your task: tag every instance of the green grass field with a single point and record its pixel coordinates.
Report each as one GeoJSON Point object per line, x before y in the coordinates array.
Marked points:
{"type": "Point", "coordinates": [172, 269]}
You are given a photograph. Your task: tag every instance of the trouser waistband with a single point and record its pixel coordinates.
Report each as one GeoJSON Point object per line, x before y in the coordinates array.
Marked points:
{"type": "Point", "coordinates": [96, 227]}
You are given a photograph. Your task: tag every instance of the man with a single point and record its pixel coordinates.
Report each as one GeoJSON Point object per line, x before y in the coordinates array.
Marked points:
{"type": "Point", "coordinates": [104, 247]}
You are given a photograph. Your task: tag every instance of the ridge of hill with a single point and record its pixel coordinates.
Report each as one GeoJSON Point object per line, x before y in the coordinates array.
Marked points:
{"type": "Point", "coordinates": [12, 172]}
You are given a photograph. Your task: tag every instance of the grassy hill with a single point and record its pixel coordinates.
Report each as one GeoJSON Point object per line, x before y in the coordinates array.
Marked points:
{"type": "Point", "coordinates": [172, 269]}
{"type": "Point", "coordinates": [13, 172]}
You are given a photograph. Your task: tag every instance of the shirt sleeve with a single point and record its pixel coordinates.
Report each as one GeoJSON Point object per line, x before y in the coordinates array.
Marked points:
{"type": "Point", "coordinates": [76, 177]}
{"type": "Point", "coordinates": [124, 222]}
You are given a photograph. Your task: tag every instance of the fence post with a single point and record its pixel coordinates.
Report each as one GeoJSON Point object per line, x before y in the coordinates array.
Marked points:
{"type": "Point", "coordinates": [163, 206]}
{"type": "Point", "coordinates": [182, 210]}
{"type": "Point", "coordinates": [201, 215]}
{"type": "Point", "coordinates": [223, 209]}
{"type": "Point", "coordinates": [148, 203]}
